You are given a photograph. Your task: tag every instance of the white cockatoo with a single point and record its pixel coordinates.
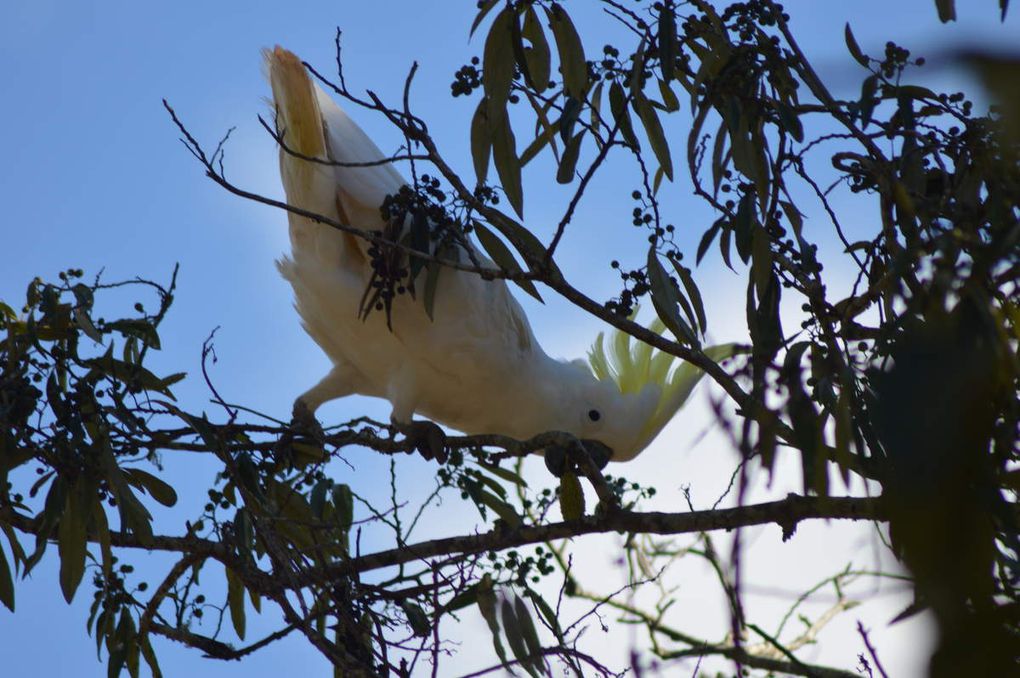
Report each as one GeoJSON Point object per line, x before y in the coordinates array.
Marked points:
{"type": "Point", "coordinates": [475, 366]}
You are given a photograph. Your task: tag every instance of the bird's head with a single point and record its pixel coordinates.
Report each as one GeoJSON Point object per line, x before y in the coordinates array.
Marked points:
{"type": "Point", "coordinates": [637, 390]}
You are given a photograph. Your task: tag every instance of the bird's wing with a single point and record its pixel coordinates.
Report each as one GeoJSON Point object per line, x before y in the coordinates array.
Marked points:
{"type": "Point", "coordinates": [361, 190]}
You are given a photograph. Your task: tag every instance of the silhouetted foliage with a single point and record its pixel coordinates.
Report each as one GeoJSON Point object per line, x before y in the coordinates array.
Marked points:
{"type": "Point", "coordinates": [906, 378]}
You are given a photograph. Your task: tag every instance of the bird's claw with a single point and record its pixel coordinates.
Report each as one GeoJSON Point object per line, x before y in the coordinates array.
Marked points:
{"type": "Point", "coordinates": [427, 438]}
{"type": "Point", "coordinates": [304, 421]}
{"type": "Point", "coordinates": [558, 461]}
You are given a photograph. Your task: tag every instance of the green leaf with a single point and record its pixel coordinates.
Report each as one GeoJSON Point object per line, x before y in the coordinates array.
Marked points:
{"type": "Point", "coordinates": [571, 111]}
{"type": "Point", "coordinates": [571, 52]}
{"type": "Point", "coordinates": [157, 488]}
{"type": "Point", "coordinates": [317, 497]}
{"type": "Point", "coordinates": [866, 105]}
{"type": "Point", "coordinates": [761, 261]}
{"type": "Point", "coordinates": [468, 596]}
{"type": "Point", "coordinates": [538, 56]}
{"type": "Point", "coordinates": [706, 240]}
{"type": "Point", "coordinates": [419, 237]}
{"type": "Point", "coordinates": [481, 146]}
{"type": "Point", "coordinates": [843, 455]}
{"type": "Point", "coordinates": [140, 329]}
{"type": "Point", "coordinates": [693, 293]}
{"type": "Point", "coordinates": [744, 226]}
{"type": "Point", "coordinates": [855, 49]}
{"type": "Point", "coordinates": [540, 141]}
{"type": "Point", "coordinates": [515, 637]}
{"type": "Point", "coordinates": [529, 632]}
{"type": "Point", "coordinates": [416, 619]}
{"type": "Point", "coordinates": [946, 9]}
{"type": "Point", "coordinates": [571, 497]}
{"type": "Point", "coordinates": [343, 500]}
{"type": "Point", "coordinates": [502, 257]}
{"type": "Point", "coordinates": [150, 657]}
{"type": "Point", "coordinates": [794, 216]}
{"type": "Point", "coordinates": [432, 271]}
{"type": "Point", "coordinates": [669, 100]}
{"type": "Point", "coordinates": [487, 606]}
{"type": "Point", "coordinates": [84, 322]}
{"type": "Point", "coordinates": [668, 47]}
{"type": "Point", "coordinates": [72, 537]}
{"type": "Point", "coordinates": [621, 114]}
{"type": "Point", "coordinates": [666, 300]}
{"type": "Point", "coordinates": [6, 582]}
{"type": "Point", "coordinates": [502, 509]}
{"type": "Point", "coordinates": [133, 515]}
{"type": "Point", "coordinates": [483, 10]}
{"type": "Point", "coordinates": [508, 166]}
{"type": "Point", "coordinates": [133, 375]}
{"type": "Point", "coordinates": [568, 162]}
{"type": "Point", "coordinates": [505, 474]}
{"type": "Point", "coordinates": [656, 137]}
{"type": "Point", "coordinates": [235, 600]}
{"type": "Point", "coordinates": [498, 65]}
{"type": "Point", "coordinates": [790, 120]}
{"type": "Point", "coordinates": [517, 43]}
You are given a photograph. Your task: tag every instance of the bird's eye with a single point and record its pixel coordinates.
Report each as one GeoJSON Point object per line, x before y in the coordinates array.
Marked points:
{"type": "Point", "coordinates": [594, 415]}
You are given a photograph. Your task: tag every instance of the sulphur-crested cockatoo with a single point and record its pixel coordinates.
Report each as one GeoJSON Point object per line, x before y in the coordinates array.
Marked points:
{"type": "Point", "coordinates": [476, 366]}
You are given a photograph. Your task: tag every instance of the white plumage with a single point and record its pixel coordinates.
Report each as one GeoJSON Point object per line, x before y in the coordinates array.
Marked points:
{"type": "Point", "coordinates": [476, 366]}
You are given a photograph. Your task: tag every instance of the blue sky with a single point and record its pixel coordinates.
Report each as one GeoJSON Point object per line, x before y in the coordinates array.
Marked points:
{"type": "Point", "coordinates": [95, 178]}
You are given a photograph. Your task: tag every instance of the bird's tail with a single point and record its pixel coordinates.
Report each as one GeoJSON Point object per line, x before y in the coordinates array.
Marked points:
{"type": "Point", "coordinates": [309, 185]}
{"type": "Point", "coordinates": [299, 119]}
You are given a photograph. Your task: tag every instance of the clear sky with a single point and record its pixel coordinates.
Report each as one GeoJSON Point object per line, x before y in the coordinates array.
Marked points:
{"type": "Point", "coordinates": [95, 178]}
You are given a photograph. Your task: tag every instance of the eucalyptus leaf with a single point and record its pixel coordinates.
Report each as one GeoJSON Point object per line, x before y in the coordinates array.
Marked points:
{"type": "Point", "coordinates": [538, 55]}
{"type": "Point", "coordinates": [498, 65]}
{"type": "Point", "coordinates": [573, 64]}
{"type": "Point", "coordinates": [508, 166]}
{"type": "Point", "coordinates": [502, 257]}
{"type": "Point", "coordinates": [565, 173]}
{"type": "Point", "coordinates": [571, 497]}
{"type": "Point", "coordinates": [235, 601]}
{"type": "Point", "coordinates": [666, 299]}
{"type": "Point", "coordinates": [656, 137]}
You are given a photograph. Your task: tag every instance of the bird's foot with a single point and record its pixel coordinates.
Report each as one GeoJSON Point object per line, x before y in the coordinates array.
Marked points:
{"type": "Point", "coordinates": [304, 421]}
{"type": "Point", "coordinates": [558, 458]}
{"type": "Point", "coordinates": [425, 437]}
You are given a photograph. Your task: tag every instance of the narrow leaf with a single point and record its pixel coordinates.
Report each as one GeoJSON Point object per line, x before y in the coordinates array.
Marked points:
{"type": "Point", "coordinates": [235, 599]}
{"type": "Point", "coordinates": [666, 299]}
{"type": "Point", "coordinates": [481, 145]}
{"type": "Point", "coordinates": [571, 497]}
{"type": "Point", "coordinates": [6, 582]}
{"type": "Point", "coordinates": [485, 7]}
{"type": "Point", "coordinates": [573, 65]}
{"type": "Point", "coordinates": [656, 137]}
{"type": "Point", "coordinates": [565, 173]}
{"type": "Point", "coordinates": [855, 49]}
{"type": "Point", "coordinates": [538, 55]}
{"type": "Point", "coordinates": [529, 632]}
{"type": "Point", "coordinates": [515, 637]}
{"type": "Point", "coordinates": [693, 293]}
{"type": "Point", "coordinates": [498, 64]}
{"type": "Point", "coordinates": [946, 9]}
{"type": "Point", "coordinates": [502, 257]}
{"type": "Point", "coordinates": [508, 166]}
{"type": "Point", "coordinates": [621, 114]}
{"type": "Point", "coordinates": [157, 488]}
{"type": "Point", "coordinates": [72, 539]}
{"type": "Point", "coordinates": [668, 47]}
